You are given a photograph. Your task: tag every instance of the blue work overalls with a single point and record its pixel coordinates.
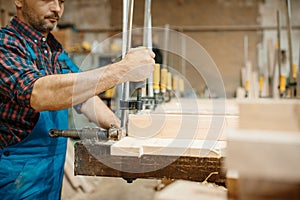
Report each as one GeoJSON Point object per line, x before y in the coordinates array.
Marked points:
{"type": "Point", "coordinates": [34, 168]}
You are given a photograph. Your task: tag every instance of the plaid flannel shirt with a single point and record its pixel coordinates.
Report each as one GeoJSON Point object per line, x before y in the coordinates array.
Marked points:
{"type": "Point", "coordinates": [18, 73]}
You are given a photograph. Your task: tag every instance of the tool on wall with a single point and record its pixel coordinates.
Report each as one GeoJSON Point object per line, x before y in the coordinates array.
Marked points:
{"type": "Point", "coordinates": [298, 76]}
{"type": "Point", "coordinates": [165, 67]}
{"type": "Point", "coordinates": [281, 76]}
{"type": "Point", "coordinates": [247, 69]}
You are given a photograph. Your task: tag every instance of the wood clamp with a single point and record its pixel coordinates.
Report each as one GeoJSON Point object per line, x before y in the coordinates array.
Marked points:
{"type": "Point", "coordinates": [93, 134]}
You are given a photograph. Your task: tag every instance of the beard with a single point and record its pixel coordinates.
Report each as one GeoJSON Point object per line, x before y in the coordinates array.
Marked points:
{"type": "Point", "coordinates": [38, 23]}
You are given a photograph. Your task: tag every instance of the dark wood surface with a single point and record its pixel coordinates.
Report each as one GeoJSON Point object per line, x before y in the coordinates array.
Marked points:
{"type": "Point", "coordinates": [95, 160]}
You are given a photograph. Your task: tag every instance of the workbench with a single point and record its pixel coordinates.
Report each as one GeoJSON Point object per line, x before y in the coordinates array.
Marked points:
{"type": "Point", "coordinates": [96, 160]}
{"type": "Point", "coordinates": [99, 159]}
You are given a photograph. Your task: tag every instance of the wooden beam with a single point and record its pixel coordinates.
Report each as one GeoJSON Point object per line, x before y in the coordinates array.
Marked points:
{"type": "Point", "coordinates": [264, 154]}
{"type": "Point", "coordinates": [277, 115]}
{"type": "Point", "coordinates": [180, 126]}
{"type": "Point", "coordinates": [258, 189]}
{"type": "Point", "coordinates": [265, 150]}
{"type": "Point", "coordinates": [96, 160]}
{"type": "Point", "coordinates": [169, 155]}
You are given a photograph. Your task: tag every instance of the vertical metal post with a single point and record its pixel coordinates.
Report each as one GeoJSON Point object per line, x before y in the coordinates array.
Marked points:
{"type": "Point", "coordinates": [166, 45]}
{"type": "Point", "coordinates": [246, 50]}
{"type": "Point", "coordinates": [147, 41]}
{"type": "Point", "coordinates": [129, 36]}
{"type": "Point", "coordinates": [183, 63]}
{"type": "Point", "coordinates": [247, 67]}
{"type": "Point", "coordinates": [289, 31]}
{"type": "Point", "coordinates": [279, 45]}
{"type": "Point", "coordinates": [125, 25]}
{"type": "Point", "coordinates": [298, 77]}
{"type": "Point", "coordinates": [127, 33]}
{"type": "Point", "coordinates": [147, 37]}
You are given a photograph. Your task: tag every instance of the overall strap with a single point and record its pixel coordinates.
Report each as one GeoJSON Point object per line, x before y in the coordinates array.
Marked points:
{"type": "Point", "coordinates": [63, 57]}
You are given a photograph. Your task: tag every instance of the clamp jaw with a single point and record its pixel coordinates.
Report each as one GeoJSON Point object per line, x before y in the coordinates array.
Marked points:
{"type": "Point", "coordinates": [133, 104]}
{"type": "Point", "coordinates": [147, 102]}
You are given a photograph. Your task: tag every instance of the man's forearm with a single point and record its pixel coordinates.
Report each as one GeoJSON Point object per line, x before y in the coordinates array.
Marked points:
{"type": "Point", "coordinates": [98, 112]}
{"type": "Point", "coordinates": [61, 91]}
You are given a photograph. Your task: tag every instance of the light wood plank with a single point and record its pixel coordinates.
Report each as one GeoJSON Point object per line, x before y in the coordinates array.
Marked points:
{"type": "Point", "coordinates": [278, 115]}
{"type": "Point", "coordinates": [264, 154]}
{"type": "Point", "coordinates": [137, 147]}
{"type": "Point", "coordinates": [180, 126]}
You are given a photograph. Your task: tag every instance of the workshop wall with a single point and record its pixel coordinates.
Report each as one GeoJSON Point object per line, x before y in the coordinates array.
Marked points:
{"type": "Point", "coordinates": [88, 14]}
{"type": "Point", "coordinates": [99, 19]}
{"type": "Point", "coordinates": [225, 47]}
{"type": "Point", "coordinates": [7, 10]}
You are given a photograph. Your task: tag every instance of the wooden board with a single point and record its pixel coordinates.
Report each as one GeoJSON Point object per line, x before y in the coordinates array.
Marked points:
{"type": "Point", "coordinates": [264, 154]}
{"type": "Point", "coordinates": [278, 115]}
{"type": "Point", "coordinates": [130, 146]}
{"type": "Point", "coordinates": [180, 126]}
{"type": "Point", "coordinates": [200, 107]}
{"type": "Point", "coordinates": [96, 160]}
{"type": "Point", "coordinates": [265, 150]}
{"type": "Point", "coordinates": [232, 184]}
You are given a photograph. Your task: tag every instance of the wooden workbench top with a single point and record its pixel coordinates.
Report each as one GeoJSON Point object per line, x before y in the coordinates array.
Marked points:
{"type": "Point", "coordinates": [96, 160]}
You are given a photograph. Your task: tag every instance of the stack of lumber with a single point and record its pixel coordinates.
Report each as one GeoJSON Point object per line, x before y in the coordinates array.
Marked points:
{"type": "Point", "coordinates": [265, 150]}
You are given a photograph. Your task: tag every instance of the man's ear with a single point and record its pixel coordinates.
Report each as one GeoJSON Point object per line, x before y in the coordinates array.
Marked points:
{"type": "Point", "coordinates": [19, 3]}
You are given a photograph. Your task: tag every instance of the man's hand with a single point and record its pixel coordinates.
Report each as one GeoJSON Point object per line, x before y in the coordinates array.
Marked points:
{"type": "Point", "coordinates": [137, 65]}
